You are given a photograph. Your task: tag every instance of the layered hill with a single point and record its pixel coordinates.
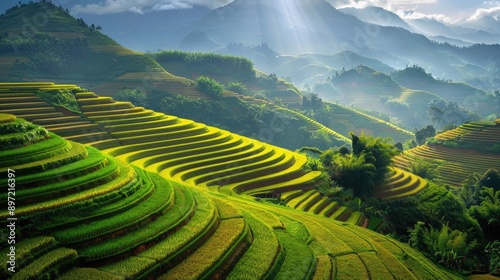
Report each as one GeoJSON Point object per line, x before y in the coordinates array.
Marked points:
{"type": "Point", "coordinates": [229, 69]}
{"type": "Point", "coordinates": [364, 87]}
{"type": "Point", "coordinates": [63, 48]}
{"type": "Point", "coordinates": [76, 51]}
{"type": "Point", "coordinates": [335, 120]}
{"type": "Point", "coordinates": [458, 153]}
{"type": "Point", "coordinates": [346, 120]}
{"type": "Point", "coordinates": [468, 96]}
{"type": "Point", "coordinates": [84, 213]}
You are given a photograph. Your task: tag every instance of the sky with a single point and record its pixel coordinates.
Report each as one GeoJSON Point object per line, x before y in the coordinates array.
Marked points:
{"type": "Point", "coordinates": [449, 11]}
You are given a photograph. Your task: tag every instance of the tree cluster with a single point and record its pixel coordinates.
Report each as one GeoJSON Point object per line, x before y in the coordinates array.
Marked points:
{"type": "Point", "coordinates": [48, 55]}
{"type": "Point", "coordinates": [210, 63]}
{"type": "Point", "coordinates": [362, 169]}
{"type": "Point", "coordinates": [458, 230]}
{"type": "Point", "coordinates": [449, 113]}
{"type": "Point", "coordinates": [424, 133]}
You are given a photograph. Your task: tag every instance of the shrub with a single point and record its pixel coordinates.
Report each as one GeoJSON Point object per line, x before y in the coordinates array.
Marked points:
{"type": "Point", "coordinates": [62, 98]}
{"type": "Point", "coordinates": [209, 86]}
{"type": "Point", "coordinates": [237, 87]}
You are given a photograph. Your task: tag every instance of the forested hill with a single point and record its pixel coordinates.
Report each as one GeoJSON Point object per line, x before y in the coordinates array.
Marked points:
{"type": "Point", "coordinates": [41, 41]}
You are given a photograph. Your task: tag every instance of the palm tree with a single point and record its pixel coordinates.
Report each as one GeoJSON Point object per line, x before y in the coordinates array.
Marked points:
{"type": "Point", "coordinates": [488, 212]}
{"type": "Point", "coordinates": [353, 172]}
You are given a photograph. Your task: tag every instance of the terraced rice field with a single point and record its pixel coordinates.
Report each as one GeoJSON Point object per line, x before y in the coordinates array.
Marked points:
{"type": "Point", "coordinates": [83, 213]}
{"type": "Point", "coordinates": [313, 202]}
{"type": "Point", "coordinates": [483, 132]}
{"type": "Point", "coordinates": [456, 164]}
{"type": "Point", "coordinates": [315, 126]}
{"type": "Point", "coordinates": [20, 99]}
{"type": "Point", "coordinates": [398, 185]}
{"type": "Point", "coordinates": [194, 153]}
{"type": "Point", "coordinates": [345, 120]}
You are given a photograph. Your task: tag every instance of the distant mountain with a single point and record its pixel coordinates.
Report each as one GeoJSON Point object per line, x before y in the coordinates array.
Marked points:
{"type": "Point", "coordinates": [304, 67]}
{"type": "Point", "coordinates": [455, 42]}
{"type": "Point", "coordinates": [289, 27]}
{"type": "Point", "coordinates": [465, 31]}
{"type": "Point", "coordinates": [471, 98]}
{"type": "Point", "coordinates": [417, 78]}
{"type": "Point", "coordinates": [431, 27]}
{"type": "Point", "coordinates": [148, 32]}
{"type": "Point", "coordinates": [364, 87]}
{"type": "Point", "coordinates": [292, 28]}
{"type": "Point", "coordinates": [198, 41]}
{"type": "Point", "coordinates": [377, 15]}
{"type": "Point", "coordinates": [485, 23]}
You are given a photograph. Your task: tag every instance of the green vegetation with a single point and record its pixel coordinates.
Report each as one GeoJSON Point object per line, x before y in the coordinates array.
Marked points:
{"type": "Point", "coordinates": [345, 120]}
{"type": "Point", "coordinates": [442, 245]}
{"type": "Point", "coordinates": [259, 259]}
{"type": "Point", "coordinates": [363, 169]}
{"type": "Point", "coordinates": [256, 121]}
{"type": "Point", "coordinates": [299, 260]}
{"type": "Point", "coordinates": [237, 87]}
{"type": "Point", "coordinates": [25, 134]}
{"type": "Point", "coordinates": [62, 98]}
{"type": "Point", "coordinates": [424, 133]}
{"type": "Point", "coordinates": [122, 222]}
{"type": "Point", "coordinates": [189, 233]}
{"type": "Point", "coordinates": [209, 86]}
{"type": "Point", "coordinates": [136, 97]}
{"type": "Point", "coordinates": [210, 64]}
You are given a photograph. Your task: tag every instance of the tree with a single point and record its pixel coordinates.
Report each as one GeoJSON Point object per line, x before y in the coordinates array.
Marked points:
{"type": "Point", "coordinates": [470, 193]}
{"type": "Point", "coordinates": [377, 151]}
{"type": "Point", "coordinates": [399, 146]}
{"type": "Point", "coordinates": [316, 102]}
{"type": "Point", "coordinates": [327, 158]}
{"type": "Point", "coordinates": [490, 179]}
{"type": "Point", "coordinates": [424, 133]}
{"type": "Point", "coordinates": [444, 245]}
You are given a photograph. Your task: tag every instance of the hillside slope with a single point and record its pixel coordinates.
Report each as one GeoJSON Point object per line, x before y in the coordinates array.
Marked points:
{"type": "Point", "coordinates": [146, 226]}
{"type": "Point", "coordinates": [345, 120]}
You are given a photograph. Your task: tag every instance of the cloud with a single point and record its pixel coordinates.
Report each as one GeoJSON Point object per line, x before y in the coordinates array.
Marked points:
{"type": "Point", "coordinates": [392, 5]}
{"type": "Point", "coordinates": [143, 6]}
{"type": "Point", "coordinates": [418, 15]}
{"type": "Point", "coordinates": [440, 10]}
{"type": "Point", "coordinates": [492, 12]}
